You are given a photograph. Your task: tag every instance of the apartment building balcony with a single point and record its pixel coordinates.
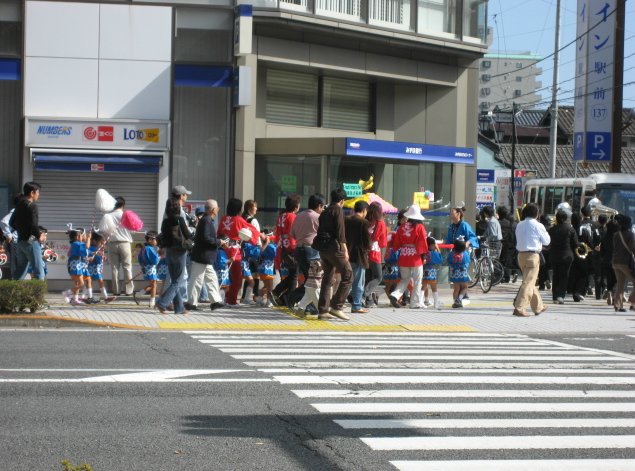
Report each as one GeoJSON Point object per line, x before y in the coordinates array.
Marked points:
{"type": "Point", "coordinates": [454, 23]}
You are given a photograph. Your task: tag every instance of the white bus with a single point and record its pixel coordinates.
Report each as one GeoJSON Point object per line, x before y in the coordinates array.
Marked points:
{"type": "Point", "coordinates": [615, 190]}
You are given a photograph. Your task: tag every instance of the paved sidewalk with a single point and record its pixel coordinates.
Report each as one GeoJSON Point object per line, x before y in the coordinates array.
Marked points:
{"type": "Point", "coordinates": [490, 312]}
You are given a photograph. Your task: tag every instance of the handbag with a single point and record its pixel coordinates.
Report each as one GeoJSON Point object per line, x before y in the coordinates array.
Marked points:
{"type": "Point", "coordinates": [322, 241]}
{"type": "Point", "coordinates": [631, 260]}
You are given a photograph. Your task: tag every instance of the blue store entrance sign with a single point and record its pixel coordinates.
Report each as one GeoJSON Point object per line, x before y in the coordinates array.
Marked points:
{"type": "Point", "coordinates": [409, 151]}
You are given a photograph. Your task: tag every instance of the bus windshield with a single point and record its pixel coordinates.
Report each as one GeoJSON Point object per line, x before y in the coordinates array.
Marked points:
{"type": "Point", "coordinates": [622, 199]}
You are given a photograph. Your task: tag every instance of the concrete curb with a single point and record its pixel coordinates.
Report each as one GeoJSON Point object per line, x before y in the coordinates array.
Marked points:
{"type": "Point", "coordinates": [45, 321]}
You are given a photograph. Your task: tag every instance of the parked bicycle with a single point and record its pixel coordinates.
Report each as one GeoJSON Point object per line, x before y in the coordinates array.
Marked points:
{"type": "Point", "coordinates": [485, 270]}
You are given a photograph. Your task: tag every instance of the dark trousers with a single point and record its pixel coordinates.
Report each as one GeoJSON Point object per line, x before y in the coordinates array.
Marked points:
{"type": "Point", "coordinates": [560, 281]}
{"type": "Point", "coordinates": [578, 277]}
{"type": "Point", "coordinates": [290, 283]}
{"type": "Point", "coordinates": [332, 261]}
{"type": "Point", "coordinates": [609, 275]}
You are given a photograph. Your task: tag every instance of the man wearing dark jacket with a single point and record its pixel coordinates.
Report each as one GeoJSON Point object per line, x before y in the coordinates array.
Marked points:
{"type": "Point", "coordinates": [335, 258]}
{"type": "Point", "coordinates": [25, 220]}
{"type": "Point", "coordinates": [358, 244]}
{"type": "Point", "coordinates": [203, 257]}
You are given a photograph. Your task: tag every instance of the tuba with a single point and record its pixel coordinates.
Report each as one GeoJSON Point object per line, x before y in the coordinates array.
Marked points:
{"type": "Point", "coordinates": [598, 208]}
{"type": "Point", "coordinates": [582, 251]}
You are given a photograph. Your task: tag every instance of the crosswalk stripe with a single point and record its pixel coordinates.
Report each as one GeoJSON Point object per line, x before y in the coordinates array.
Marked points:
{"type": "Point", "coordinates": [463, 367]}
{"type": "Point", "coordinates": [223, 342]}
{"type": "Point", "coordinates": [434, 407]}
{"type": "Point", "coordinates": [501, 369]}
{"type": "Point", "coordinates": [240, 334]}
{"type": "Point", "coordinates": [485, 423]}
{"type": "Point", "coordinates": [333, 379]}
{"type": "Point", "coordinates": [419, 357]}
{"type": "Point", "coordinates": [447, 351]}
{"type": "Point", "coordinates": [517, 465]}
{"type": "Point", "coordinates": [458, 393]}
{"type": "Point", "coordinates": [527, 442]}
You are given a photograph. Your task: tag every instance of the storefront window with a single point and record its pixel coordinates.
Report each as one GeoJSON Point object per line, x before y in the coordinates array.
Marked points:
{"type": "Point", "coordinates": [279, 176]}
{"type": "Point", "coordinates": [394, 181]}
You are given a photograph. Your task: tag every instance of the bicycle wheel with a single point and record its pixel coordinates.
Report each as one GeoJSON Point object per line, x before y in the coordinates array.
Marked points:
{"type": "Point", "coordinates": [498, 272]}
{"type": "Point", "coordinates": [472, 271]}
{"type": "Point", "coordinates": [485, 269]}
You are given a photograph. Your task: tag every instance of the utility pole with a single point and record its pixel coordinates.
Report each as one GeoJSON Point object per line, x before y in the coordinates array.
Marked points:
{"type": "Point", "coordinates": [618, 79]}
{"type": "Point", "coordinates": [553, 132]}
{"type": "Point", "coordinates": [512, 190]}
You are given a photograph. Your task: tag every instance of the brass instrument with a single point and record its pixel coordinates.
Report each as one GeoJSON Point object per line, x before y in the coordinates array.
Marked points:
{"type": "Point", "coordinates": [598, 208]}
{"type": "Point", "coordinates": [582, 251]}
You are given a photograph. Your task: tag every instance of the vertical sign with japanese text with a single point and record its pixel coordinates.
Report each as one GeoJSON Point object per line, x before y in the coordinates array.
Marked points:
{"type": "Point", "coordinates": [594, 79]}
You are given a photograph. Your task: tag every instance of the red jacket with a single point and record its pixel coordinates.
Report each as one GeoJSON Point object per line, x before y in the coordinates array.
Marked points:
{"type": "Point", "coordinates": [411, 241]}
{"type": "Point", "coordinates": [379, 240]}
{"type": "Point", "coordinates": [283, 231]}
{"type": "Point", "coordinates": [230, 226]}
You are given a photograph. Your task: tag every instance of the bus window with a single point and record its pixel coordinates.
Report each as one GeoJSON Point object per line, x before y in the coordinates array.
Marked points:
{"type": "Point", "coordinates": [532, 195]}
{"type": "Point", "coordinates": [553, 198]}
{"type": "Point", "coordinates": [576, 204]}
{"type": "Point", "coordinates": [541, 199]}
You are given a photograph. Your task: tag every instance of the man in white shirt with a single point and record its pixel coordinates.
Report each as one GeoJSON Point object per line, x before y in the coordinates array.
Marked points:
{"type": "Point", "coordinates": [530, 237]}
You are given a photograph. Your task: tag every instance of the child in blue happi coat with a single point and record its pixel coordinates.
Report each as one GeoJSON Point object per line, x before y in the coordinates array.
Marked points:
{"type": "Point", "coordinates": [266, 268]}
{"type": "Point", "coordinates": [149, 259]}
{"type": "Point", "coordinates": [222, 263]}
{"type": "Point", "coordinates": [431, 262]}
{"type": "Point", "coordinates": [77, 264]}
{"type": "Point", "coordinates": [459, 261]}
{"type": "Point", "coordinates": [250, 255]}
{"type": "Point", "coordinates": [96, 267]}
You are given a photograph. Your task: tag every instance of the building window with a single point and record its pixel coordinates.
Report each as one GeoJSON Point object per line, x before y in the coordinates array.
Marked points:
{"type": "Point", "coordinates": [436, 16]}
{"type": "Point", "coordinates": [11, 28]}
{"type": "Point", "coordinates": [485, 91]}
{"type": "Point", "coordinates": [391, 13]}
{"type": "Point", "coordinates": [292, 98]}
{"type": "Point", "coordinates": [485, 77]}
{"type": "Point", "coordinates": [203, 35]}
{"type": "Point", "coordinates": [475, 20]}
{"type": "Point", "coordinates": [346, 104]}
{"type": "Point", "coordinates": [519, 79]}
{"type": "Point", "coordinates": [518, 93]}
{"type": "Point", "coordinates": [486, 64]}
{"type": "Point", "coordinates": [519, 65]}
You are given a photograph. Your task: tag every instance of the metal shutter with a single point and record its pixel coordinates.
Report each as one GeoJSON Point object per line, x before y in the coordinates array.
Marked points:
{"type": "Point", "coordinates": [292, 98]}
{"type": "Point", "coordinates": [70, 196]}
{"type": "Point", "coordinates": [346, 104]}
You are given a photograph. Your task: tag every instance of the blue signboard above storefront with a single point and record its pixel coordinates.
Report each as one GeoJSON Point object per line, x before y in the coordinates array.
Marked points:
{"type": "Point", "coordinates": [409, 151]}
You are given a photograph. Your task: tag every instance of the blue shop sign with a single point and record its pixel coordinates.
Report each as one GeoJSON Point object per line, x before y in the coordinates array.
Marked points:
{"type": "Point", "coordinates": [409, 151]}
{"type": "Point", "coordinates": [485, 176]}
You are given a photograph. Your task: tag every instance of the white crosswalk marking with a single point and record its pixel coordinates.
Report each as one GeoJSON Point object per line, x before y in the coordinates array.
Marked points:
{"type": "Point", "coordinates": [422, 399]}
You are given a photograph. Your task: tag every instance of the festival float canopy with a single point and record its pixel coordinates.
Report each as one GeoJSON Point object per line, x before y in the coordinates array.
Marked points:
{"type": "Point", "coordinates": [386, 207]}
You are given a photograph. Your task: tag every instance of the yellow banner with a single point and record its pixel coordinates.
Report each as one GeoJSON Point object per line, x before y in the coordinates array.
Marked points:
{"type": "Point", "coordinates": [419, 198]}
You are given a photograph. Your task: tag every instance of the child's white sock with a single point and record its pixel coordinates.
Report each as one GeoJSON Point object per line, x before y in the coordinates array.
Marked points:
{"type": "Point", "coordinates": [84, 292]}
{"type": "Point", "coordinates": [90, 293]}
{"type": "Point", "coordinates": [152, 302]}
{"type": "Point", "coordinates": [104, 292]}
{"type": "Point", "coordinates": [76, 296]}
{"type": "Point", "coordinates": [249, 293]}
{"type": "Point", "coordinates": [437, 304]}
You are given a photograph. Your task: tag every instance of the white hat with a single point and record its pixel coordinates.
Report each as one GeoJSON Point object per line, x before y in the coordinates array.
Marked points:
{"type": "Point", "coordinates": [245, 234]}
{"type": "Point", "coordinates": [414, 212]}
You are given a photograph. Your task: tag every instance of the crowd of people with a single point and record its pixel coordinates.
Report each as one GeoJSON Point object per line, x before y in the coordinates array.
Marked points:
{"type": "Point", "coordinates": [324, 260]}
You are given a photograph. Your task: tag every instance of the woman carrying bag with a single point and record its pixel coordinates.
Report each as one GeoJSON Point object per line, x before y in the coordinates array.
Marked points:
{"type": "Point", "coordinates": [176, 238]}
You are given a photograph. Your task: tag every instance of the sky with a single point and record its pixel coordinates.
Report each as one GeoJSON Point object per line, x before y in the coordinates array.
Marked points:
{"type": "Point", "coordinates": [522, 25]}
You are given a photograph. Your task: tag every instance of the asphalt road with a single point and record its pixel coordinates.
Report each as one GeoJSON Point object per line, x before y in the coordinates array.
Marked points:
{"type": "Point", "coordinates": [310, 401]}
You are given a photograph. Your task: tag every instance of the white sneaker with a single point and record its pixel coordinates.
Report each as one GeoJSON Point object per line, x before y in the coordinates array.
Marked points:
{"type": "Point", "coordinates": [247, 301]}
{"type": "Point", "coordinates": [438, 305]}
{"type": "Point", "coordinates": [427, 303]}
{"type": "Point", "coordinates": [67, 296]}
{"type": "Point", "coordinates": [465, 301]}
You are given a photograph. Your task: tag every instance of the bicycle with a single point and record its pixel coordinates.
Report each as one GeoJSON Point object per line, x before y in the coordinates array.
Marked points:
{"type": "Point", "coordinates": [485, 270]}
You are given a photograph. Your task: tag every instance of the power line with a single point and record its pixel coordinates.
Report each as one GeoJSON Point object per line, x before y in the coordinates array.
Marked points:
{"type": "Point", "coordinates": [566, 45]}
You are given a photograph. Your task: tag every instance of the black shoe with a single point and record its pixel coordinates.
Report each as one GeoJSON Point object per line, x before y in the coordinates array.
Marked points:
{"type": "Point", "coordinates": [514, 278]}
{"type": "Point", "coordinates": [457, 303]}
{"type": "Point", "coordinates": [276, 300]}
{"type": "Point", "coordinates": [394, 302]}
{"type": "Point", "coordinates": [547, 284]}
{"type": "Point", "coordinates": [375, 298]}
{"type": "Point", "coordinates": [214, 306]}
{"type": "Point", "coordinates": [190, 307]}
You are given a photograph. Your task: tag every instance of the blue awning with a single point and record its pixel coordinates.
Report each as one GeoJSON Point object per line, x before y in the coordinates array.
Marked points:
{"type": "Point", "coordinates": [97, 163]}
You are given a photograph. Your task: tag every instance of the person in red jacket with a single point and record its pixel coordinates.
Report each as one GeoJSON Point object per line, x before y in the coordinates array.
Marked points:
{"type": "Point", "coordinates": [229, 226]}
{"type": "Point", "coordinates": [411, 240]}
{"type": "Point", "coordinates": [286, 247]}
{"type": "Point", "coordinates": [379, 240]}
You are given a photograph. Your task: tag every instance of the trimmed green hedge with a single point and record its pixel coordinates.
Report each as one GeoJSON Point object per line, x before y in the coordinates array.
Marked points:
{"type": "Point", "coordinates": [18, 295]}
